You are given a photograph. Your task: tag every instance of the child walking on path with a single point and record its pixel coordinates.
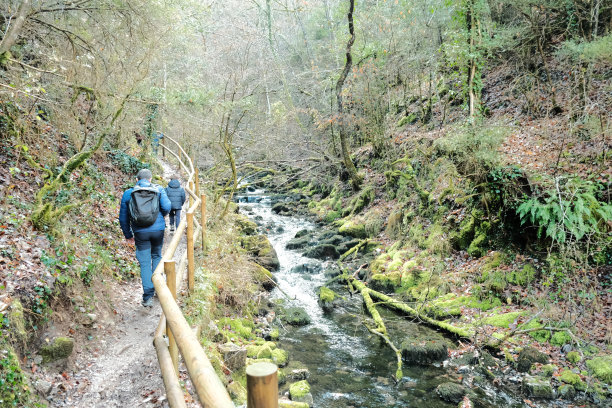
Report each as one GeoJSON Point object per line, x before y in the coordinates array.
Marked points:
{"type": "Point", "coordinates": [176, 194]}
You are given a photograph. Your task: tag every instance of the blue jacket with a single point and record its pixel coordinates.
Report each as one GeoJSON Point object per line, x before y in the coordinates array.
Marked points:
{"type": "Point", "coordinates": [176, 194]}
{"type": "Point", "coordinates": [124, 212]}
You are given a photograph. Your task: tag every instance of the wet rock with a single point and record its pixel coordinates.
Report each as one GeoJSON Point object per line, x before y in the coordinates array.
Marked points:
{"type": "Point", "coordinates": [332, 272]}
{"type": "Point", "coordinates": [233, 355]}
{"type": "Point", "coordinates": [322, 251]}
{"type": "Point", "coordinates": [280, 207]}
{"type": "Point", "coordinates": [307, 268]}
{"type": "Point", "coordinates": [326, 298]}
{"type": "Point", "coordinates": [264, 277]}
{"type": "Point", "coordinates": [295, 316]}
{"type": "Point", "coordinates": [298, 243]}
{"type": "Point", "coordinates": [353, 229]}
{"type": "Point", "coordinates": [301, 233]}
{"type": "Point", "coordinates": [60, 348]}
{"type": "Point", "coordinates": [529, 356]}
{"type": "Point", "coordinates": [450, 392]}
{"type": "Point", "coordinates": [566, 391]}
{"type": "Point", "coordinates": [537, 387]}
{"type": "Point", "coordinates": [424, 351]}
{"type": "Point", "coordinates": [213, 332]}
{"type": "Point", "coordinates": [334, 240]}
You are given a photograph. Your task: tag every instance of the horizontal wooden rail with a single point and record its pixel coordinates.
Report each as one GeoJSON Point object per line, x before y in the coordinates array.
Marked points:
{"type": "Point", "coordinates": [210, 389]}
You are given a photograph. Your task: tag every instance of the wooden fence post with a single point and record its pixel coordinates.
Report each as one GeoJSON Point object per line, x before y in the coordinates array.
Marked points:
{"type": "Point", "coordinates": [197, 181]}
{"type": "Point", "coordinates": [190, 257]}
{"type": "Point", "coordinates": [170, 270]}
{"type": "Point", "coordinates": [203, 221]}
{"type": "Point", "coordinates": [262, 385]}
{"type": "Point", "coordinates": [190, 196]}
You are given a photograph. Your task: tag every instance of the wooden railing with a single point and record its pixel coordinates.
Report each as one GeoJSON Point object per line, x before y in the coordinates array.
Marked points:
{"type": "Point", "coordinates": [262, 383]}
{"type": "Point", "coordinates": [181, 338]}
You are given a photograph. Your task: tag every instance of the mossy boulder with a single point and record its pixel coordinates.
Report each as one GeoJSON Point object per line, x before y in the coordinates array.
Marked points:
{"type": "Point", "coordinates": [450, 392]}
{"type": "Point", "coordinates": [569, 377]}
{"type": "Point", "coordinates": [60, 348]}
{"type": "Point", "coordinates": [527, 357]}
{"type": "Point", "coordinates": [537, 387]}
{"type": "Point", "coordinates": [300, 392]}
{"type": "Point", "coordinates": [245, 225]}
{"type": "Point", "coordinates": [502, 320]}
{"type": "Point", "coordinates": [310, 268]}
{"type": "Point", "coordinates": [424, 351]}
{"type": "Point", "coordinates": [477, 246]}
{"type": "Point", "coordinates": [301, 233]}
{"type": "Point", "coordinates": [601, 368]}
{"type": "Point", "coordinates": [260, 247]}
{"type": "Point", "coordinates": [566, 392]}
{"type": "Point", "coordinates": [322, 251]}
{"type": "Point", "coordinates": [353, 229]}
{"type": "Point", "coordinates": [295, 316]}
{"type": "Point", "coordinates": [462, 239]}
{"type": "Point", "coordinates": [326, 298]}
{"type": "Point", "coordinates": [264, 277]}
{"type": "Point", "coordinates": [297, 243]}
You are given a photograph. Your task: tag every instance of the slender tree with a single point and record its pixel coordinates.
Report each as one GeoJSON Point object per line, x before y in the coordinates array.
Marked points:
{"type": "Point", "coordinates": [356, 179]}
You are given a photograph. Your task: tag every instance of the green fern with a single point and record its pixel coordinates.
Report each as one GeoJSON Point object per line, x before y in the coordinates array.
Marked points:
{"type": "Point", "coordinates": [569, 211]}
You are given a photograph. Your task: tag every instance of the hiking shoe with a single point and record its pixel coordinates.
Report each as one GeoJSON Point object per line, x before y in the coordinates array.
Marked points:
{"type": "Point", "coordinates": [148, 302]}
{"type": "Point", "coordinates": [171, 229]}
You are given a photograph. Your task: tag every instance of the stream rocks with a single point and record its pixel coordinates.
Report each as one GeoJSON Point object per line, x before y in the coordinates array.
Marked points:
{"type": "Point", "coordinates": [451, 392]}
{"type": "Point", "coordinates": [527, 357]}
{"type": "Point", "coordinates": [260, 247]}
{"type": "Point", "coordinates": [295, 316]}
{"type": "Point", "coordinates": [424, 351]}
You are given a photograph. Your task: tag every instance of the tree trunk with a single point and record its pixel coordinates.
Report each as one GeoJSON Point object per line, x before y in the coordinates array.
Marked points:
{"type": "Point", "coordinates": [13, 31]}
{"type": "Point", "coordinates": [346, 155]}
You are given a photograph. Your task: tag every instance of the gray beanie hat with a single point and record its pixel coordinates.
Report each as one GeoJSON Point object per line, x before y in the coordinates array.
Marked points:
{"type": "Point", "coordinates": [144, 174]}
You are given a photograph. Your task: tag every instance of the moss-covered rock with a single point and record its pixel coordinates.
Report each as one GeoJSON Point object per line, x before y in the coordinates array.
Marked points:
{"type": "Point", "coordinates": [450, 392]}
{"type": "Point", "coordinates": [464, 237]}
{"type": "Point", "coordinates": [537, 387]}
{"type": "Point", "coordinates": [260, 247]}
{"type": "Point", "coordinates": [322, 251]}
{"type": "Point", "coordinates": [298, 243]}
{"type": "Point", "coordinates": [263, 277]}
{"type": "Point", "coordinates": [601, 368]}
{"type": "Point", "coordinates": [353, 229]}
{"type": "Point", "coordinates": [477, 246]}
{"type": "Point", "coordinates": [295, 316]}
{"type": "Point", "coordinates": [424, 351]}
{"type": "Point", "coordinates": [326, 298]}
{"type": "Point", "coordinates": [245, 225]}
{"type": "Point", "coordinates": [573, 357]}
{"type": "Point", "coordinates": [527, 357]}
{"type": "Point", "coordinates": [300, 392]}
{"type": "Point", "coordinates": [60, 348]}
{"type": "Point", "coordinates": [566, 391]}
{"type": "Point", "coordinates": [569, 377]}
{"type": "Point", "coordinates": [548, 370]}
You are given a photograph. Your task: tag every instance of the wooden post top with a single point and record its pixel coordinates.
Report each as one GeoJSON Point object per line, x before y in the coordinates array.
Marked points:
{"type": "Point", "coordinates": [261, 369]}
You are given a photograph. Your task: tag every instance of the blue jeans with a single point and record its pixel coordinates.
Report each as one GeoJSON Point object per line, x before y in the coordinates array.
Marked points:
{"type": "Point", "coordinates": [175, 215]}
{"type": "Point", "coordinates": [149, 254]}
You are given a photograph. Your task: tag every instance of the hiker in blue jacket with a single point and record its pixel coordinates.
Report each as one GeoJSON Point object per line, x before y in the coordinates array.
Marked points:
{"type": "Point", "coordinates": [149, 240]}
{"type": "Point", "coordinates": [177, 197]}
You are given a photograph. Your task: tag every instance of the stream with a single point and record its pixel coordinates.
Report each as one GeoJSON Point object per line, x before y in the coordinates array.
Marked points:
{"type": "Point", "coordinates": [349, 366]}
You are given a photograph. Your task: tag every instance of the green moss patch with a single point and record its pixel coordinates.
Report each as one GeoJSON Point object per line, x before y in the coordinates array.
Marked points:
{"type": "Point", "coordinates": [568, 377]}
{"type": "Point", "coordinates": [502, 320]}
{"type": "Point", "coordinates": [601, 368]}
{"type": "Point", "coordinates": [60, 348]}
{"type": "Point", "coordinates": [299, 389]}
{"type": "Point", "coordinates": [240, 327]}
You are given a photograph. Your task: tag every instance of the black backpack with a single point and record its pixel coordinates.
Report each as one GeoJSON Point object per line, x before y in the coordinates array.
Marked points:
{"type": "Point", "coordinates": [144, 206]}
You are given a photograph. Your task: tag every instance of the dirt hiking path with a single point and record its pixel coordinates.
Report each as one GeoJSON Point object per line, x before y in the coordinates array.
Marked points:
{"type": "Point", "coordinates": [120, 368]}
